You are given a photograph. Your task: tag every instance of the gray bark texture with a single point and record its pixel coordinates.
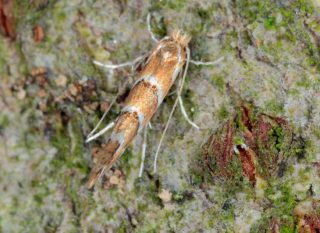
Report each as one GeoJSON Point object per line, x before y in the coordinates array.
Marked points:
{"type": "Point", "coordinates": [254, 164]}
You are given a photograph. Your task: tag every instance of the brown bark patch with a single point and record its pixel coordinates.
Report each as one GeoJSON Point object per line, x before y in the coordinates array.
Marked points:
{"type": "Point", "coordinates": [308, 214]}
{"type": "Point", "coordinates": [7, 22]}
{"type": "Point", "coordinates": [262, 142]}
{"type": "Point", "coordinates": [38, 34]}
{"type": "Point", "coordinates": [312, 224]}
{"type": "Point", "coordinates": [274, 226]}
{"type": "Point", "coordinates": [220, 150]}
{"type": "Point", "coordinates": [247, 158]}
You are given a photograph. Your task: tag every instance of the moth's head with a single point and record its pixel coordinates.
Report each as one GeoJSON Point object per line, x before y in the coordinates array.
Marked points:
{"type": "Point", "coordinates": [181, 38]}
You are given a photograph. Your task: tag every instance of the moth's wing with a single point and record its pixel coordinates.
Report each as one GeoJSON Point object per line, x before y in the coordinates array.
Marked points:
{"type": "Point", "coordinates": [141, 63]}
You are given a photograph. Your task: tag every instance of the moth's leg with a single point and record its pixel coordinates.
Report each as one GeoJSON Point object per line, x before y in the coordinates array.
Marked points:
{"type": "Point", "coordinates": [183, 110]}
{"type": "Point", "coordinates": [180, 87]}
{"type": "Point", "coordinates": [131, 64]}
{"type": "Point", "coordinates": [135, 63]}
{"type": "Point", "coordinates": [144, 147]}
{"type": "Point", "coordinates": [111, 66]}
{"type": "Point", "coordinates": [210, 63]}
{"type": "Point", "coordinates": [92, 136]}
{"type": "Point", "coordinates": [199, 63]}
{"type": "Point", "coordinates": [150, 30]}
{"type": "Point", "coordinates": [184, 113]}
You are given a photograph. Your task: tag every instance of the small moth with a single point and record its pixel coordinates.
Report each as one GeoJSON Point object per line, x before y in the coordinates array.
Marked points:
{"type": "Point", "coordinates": [155, 79]}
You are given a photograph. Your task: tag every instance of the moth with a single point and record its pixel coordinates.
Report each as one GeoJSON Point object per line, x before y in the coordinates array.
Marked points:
{"type": "Point", "coordinates": [156, 77]}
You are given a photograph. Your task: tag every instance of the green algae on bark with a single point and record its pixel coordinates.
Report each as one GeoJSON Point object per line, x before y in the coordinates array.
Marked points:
{"type": "Point", "coordinates": [271, 57]}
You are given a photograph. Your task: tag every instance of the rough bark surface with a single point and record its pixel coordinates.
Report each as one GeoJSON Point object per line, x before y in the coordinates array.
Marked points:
{"type": "Point", "coordinates": [267, 135]}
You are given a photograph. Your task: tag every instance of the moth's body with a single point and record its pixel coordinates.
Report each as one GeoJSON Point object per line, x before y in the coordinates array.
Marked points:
{"type": "Point", "coordinates": [155, 80]}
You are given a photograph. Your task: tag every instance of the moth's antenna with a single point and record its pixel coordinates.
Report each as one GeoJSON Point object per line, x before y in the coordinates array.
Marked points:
{"type": "Point", "coordinates": [150, 30]}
